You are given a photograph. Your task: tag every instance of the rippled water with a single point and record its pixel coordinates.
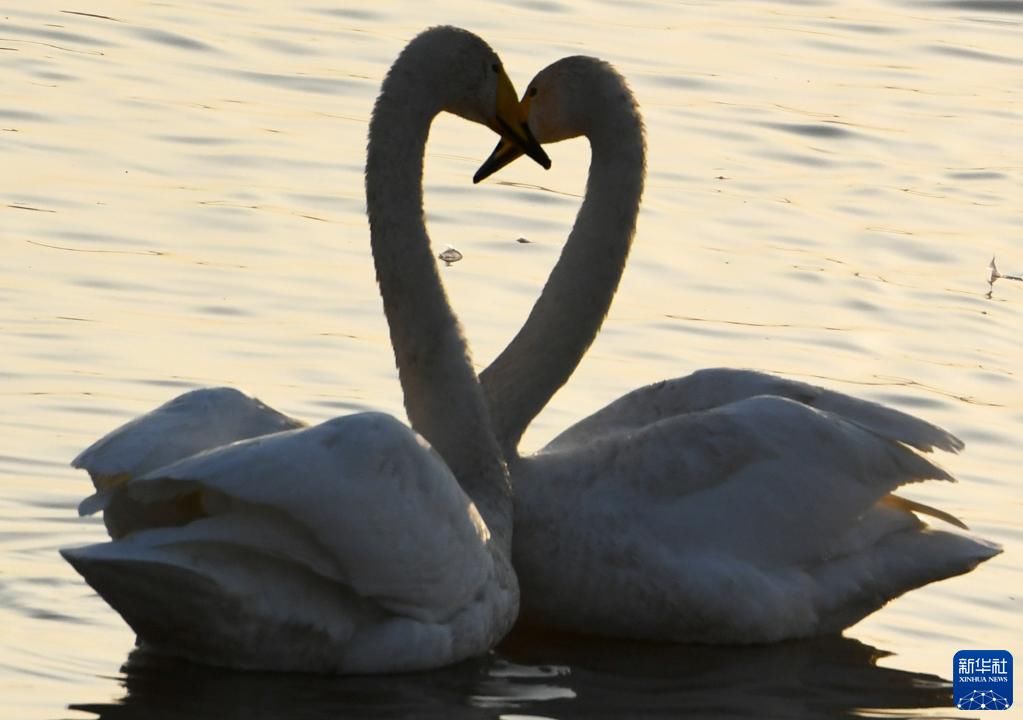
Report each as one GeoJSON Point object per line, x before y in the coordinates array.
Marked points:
{"type": "Point", "coordinates": [181, 205]}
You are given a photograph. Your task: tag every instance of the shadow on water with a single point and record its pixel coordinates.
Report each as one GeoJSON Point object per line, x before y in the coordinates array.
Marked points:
{"type": "Point", "coordinates": [558, 677]}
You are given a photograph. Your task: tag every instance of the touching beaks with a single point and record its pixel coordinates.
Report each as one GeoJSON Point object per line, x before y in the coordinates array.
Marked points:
{"type": "Point", "coordinates": [510, 123]}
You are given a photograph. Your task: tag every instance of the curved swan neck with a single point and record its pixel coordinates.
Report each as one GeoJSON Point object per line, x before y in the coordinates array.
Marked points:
{"type": "Point", "coordinates": [442, 394]}
{"type": "Point", "coordinates": [569, 312]}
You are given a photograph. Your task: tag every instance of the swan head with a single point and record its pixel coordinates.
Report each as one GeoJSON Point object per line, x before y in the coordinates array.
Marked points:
{"type": "Point", "coordinates": [564, 101]}
{"type": "Point", "coordinates": [462, 75]}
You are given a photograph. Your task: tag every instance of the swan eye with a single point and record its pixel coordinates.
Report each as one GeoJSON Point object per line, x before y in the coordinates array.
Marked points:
{"type": "Point", "coordinates": [496, 67]}
{"type": "Point", "coordinates": [532, 91]}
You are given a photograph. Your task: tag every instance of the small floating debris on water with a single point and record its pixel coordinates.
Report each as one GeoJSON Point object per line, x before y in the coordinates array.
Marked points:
{"type": "Point", "coordinates": [450, 256]}
{"type": "Point", "coordinates": [523, 241]}
{"type": "Point", "coordinates": [995, 274]}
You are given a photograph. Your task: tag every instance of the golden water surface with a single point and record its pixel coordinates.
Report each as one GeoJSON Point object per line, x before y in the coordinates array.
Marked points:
{"type": "Point", "coordinates": [181, 206]}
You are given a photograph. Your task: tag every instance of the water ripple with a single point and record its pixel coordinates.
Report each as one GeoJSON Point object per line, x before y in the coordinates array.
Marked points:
{"type": "Point", "coordinates": [994, 6]}
{"type": "Point", "coordinates": [977, 175]}
{"type": "Point", "coordinates": [301, 83]}
{"type": "Point", "coordinates": [166, 37]}
{"type": "Point", "coordinates": [58, 36]}
{"type": "Point", "coordinates": [824, 130]}
{"type": "Point", "coordinates": [970, 54]}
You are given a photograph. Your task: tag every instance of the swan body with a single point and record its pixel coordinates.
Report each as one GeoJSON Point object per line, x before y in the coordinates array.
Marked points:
{"type": "Point", "coordinates": [728, 506]}
{"type": "Point", "coordinates": [242, 538]}
{"type": "Point", "coordinates": [754, 521]}
{"type": "Point", "coordinates": [344, 547]}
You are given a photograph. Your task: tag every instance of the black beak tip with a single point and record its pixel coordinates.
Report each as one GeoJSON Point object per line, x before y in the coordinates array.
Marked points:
{"type": "Point", "coordinates": [541, 158]}
{"type": "Point", "coordinates": [536, 152]}
{"type": "Point", "coordinates": [534, 149]}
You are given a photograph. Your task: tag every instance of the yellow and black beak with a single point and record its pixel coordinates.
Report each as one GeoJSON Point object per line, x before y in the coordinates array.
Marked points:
{"type": "Point", "coordinates": [510, 123]}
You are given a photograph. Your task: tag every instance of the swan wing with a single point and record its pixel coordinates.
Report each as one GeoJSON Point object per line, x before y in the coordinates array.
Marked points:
{"type": "Point", "coordinates": [715, 387]}
{"type": "Point", "coordinates": [765, 478]}
{"type": "Point", "coordinates": [758, 520]}
{"type": "Point", "coordinates": [188, 424]}
{"type": "Point", "coordinates": [366, 486]}
{"type": "Point", "coordinates": [348, 545]}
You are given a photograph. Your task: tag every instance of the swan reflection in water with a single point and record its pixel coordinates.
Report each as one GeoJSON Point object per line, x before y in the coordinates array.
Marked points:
{"type": "Point", "coordinates": [552, 676]}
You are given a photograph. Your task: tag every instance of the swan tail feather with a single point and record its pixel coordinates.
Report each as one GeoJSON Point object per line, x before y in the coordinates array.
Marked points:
{"type": "Point", "coordinates": [97, 502]}
{"type": "Point", "coordinates": [853, 587]}
{"type": "Point", "coordinates": [901, 503]}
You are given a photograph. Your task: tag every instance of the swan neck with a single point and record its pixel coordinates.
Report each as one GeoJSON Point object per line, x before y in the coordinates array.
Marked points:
{"type": "Point", "coordinates": [442, 395]}
{"type": "Point", "coordinates": [575, 300]}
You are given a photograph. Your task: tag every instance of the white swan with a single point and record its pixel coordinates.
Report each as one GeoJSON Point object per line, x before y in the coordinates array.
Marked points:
{"type": "Point", "coordinates": [727, 506]}
{"type": "Point", "coordinates": [349, 546]}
